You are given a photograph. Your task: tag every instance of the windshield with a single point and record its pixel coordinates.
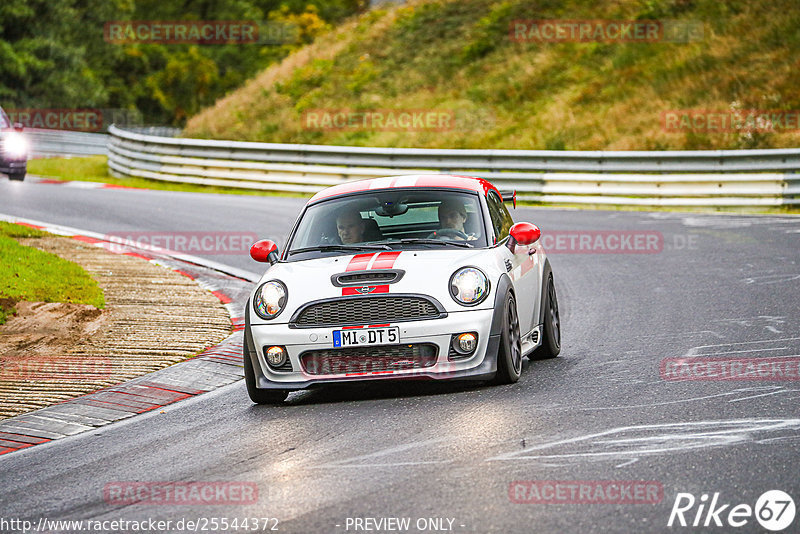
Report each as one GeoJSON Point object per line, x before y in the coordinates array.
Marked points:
{"type": "Point", "coordinates": [391, 219]}
{"type": "Point", "coordinates": [4, 122]}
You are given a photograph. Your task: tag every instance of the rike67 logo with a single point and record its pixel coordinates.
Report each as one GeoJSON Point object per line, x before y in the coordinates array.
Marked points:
{"type": "Point", "coordinates": [774, 510]}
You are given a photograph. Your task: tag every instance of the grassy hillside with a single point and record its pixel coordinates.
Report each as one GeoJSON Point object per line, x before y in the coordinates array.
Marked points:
{"type": "Point", "coordinates": [457, 55]}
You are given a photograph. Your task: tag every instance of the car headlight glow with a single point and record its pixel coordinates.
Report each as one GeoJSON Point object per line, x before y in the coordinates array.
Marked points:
{"type": "Point", "coordinates": [15, 145]}
{"type": "Point", "coordinates": [469, 286]}
{"type": "Point", "coordinates": [269, 299]}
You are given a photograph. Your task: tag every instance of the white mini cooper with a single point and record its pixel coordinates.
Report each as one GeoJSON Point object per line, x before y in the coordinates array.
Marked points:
{"type": "Point", "coordinates": [423, 277]}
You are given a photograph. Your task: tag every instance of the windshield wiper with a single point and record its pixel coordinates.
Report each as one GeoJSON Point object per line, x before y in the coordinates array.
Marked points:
{"type": "Point", "coordinates": [422, 241]}
{"type": "Point", "coordinates": [329, 248]}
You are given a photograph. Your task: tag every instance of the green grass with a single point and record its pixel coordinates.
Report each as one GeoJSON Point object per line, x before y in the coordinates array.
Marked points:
{"type": "Point", "coordinates": [95, 169]}
{"type": "Point", "coordinates": [457, 55]}
{"type": "Point", "coordinates": [33, 275]}
{"type": "Point", "coordinates": [88, 169]}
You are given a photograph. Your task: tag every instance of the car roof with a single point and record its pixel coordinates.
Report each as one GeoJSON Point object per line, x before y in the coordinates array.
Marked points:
{"type": "Point", "coordinates": [444, 181]}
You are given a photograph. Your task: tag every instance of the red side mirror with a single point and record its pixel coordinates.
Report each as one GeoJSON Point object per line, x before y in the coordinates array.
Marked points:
{"type": "Point", "coordinates": [264, 251]}
{"type": "Point", "coordinates": [18, 126]}
{"type": "Point", "coordinates": [525, 233]}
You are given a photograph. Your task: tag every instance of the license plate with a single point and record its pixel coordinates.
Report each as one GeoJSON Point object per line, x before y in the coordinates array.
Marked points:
{"type": "Point", "coordinates": [362, 337]}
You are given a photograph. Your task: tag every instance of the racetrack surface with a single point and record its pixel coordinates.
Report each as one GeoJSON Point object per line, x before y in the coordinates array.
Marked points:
{"type": "Point", "coordinates": [718, 286]}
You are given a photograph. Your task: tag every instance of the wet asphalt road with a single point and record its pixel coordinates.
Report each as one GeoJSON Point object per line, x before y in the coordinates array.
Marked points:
{"type": "Point", "coordinates": [447, 456]}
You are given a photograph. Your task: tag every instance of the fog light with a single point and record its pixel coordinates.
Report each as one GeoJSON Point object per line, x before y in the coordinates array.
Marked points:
{"type": "Point", "coordinates": [467, 342]}
{"type": "Point", "coordinates": [276, 356]}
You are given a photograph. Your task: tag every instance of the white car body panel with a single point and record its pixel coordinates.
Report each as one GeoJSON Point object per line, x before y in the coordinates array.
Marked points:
{"type": "Point", "coordinates": [426, 271]}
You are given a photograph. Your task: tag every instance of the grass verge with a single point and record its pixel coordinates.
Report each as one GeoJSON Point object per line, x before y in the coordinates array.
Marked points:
{"type": "Point", "coordinates": [95, 169]}
{"type": "Point", "coordinates": [30, 274]}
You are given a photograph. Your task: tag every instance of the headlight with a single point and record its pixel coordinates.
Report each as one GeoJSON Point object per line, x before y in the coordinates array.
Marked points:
{"type": "Point", "coordinates": [276, 356]}
{"type": "Point", "coordinates": [269, 299]}
{"type": "Point", "coordinates": [15, 145]}
{"type": "Point", "coordinates": [469, 286]}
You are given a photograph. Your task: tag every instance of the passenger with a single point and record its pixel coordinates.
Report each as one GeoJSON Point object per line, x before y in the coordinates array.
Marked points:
{"type": "Point", "coordinates": [351, 227]}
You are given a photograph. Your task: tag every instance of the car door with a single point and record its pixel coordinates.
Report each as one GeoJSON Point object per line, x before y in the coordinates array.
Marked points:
{"type": "Point", "coordinates": [522, 264]}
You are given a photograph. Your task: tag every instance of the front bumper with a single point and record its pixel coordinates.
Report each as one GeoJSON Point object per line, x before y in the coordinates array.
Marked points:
{"type": "Point", "coordinates": [13, 166]}
{"type": "Point", "coordinates": [481, 365]}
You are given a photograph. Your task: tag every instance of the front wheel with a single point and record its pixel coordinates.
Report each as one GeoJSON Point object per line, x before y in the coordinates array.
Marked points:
{"type": "Point", "coordinates": [17, 176]}
{"type": "Point", "coordinates": [509, 357]}
{"type": "Point", "coordinates": [260, 396]}
{"type": "Point", "coordinates": [551, 333]}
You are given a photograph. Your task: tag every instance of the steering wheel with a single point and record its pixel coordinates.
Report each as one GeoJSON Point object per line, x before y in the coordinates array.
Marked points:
{"type": "Point", "coordinates": [446, 233]}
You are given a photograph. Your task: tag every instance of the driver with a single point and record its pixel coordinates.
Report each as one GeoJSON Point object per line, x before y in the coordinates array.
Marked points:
{"type": "Point", "coordinates": [351, 227]}
{"type": "Point", "coordinates": [452, 216]}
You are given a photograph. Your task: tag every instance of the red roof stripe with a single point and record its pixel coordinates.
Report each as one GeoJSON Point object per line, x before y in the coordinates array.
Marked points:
{"type": "Point", "coordinates": [450, 181]}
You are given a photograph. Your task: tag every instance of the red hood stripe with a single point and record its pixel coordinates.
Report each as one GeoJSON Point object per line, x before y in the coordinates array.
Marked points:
{"type": "Point", "coordinates": [359, 262]}
{"type": "Point", "coordinates": [385, 260]}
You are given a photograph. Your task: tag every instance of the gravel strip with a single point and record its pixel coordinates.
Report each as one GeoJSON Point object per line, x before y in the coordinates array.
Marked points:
{"type": "Point", "coordinates": [154, 318]}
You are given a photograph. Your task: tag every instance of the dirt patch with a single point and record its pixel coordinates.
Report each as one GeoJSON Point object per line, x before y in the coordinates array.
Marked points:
{"type": "Point", "coordinates": [154, 317]}
{"type": "Point", "coordinates": [47, 328]}
{"type": "Point", "coordinates": [7, 303]}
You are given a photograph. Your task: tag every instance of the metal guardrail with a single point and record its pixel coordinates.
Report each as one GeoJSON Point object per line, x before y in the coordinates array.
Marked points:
{"type": "Point", "coordinates": [679, 178]}
{"type": "Point", "coordinates": [46, 143]}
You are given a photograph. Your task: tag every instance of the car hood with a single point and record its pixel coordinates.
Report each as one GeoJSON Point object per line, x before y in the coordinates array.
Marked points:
{"type": "Point", "coordinates": [425, 272]}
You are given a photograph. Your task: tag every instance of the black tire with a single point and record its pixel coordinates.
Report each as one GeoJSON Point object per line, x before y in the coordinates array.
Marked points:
{"type": "Point", "coordinates": [260, 396]}
{"type": "Point", "coordinates": [551, 333]}
{"type": "Point", "coordinates": [509, 357]}
{"type": "Point", "coordinates": [17, 176]}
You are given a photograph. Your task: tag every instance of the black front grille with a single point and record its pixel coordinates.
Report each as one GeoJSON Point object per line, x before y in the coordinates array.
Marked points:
{"type": "Point", "coordinates": [369, 359]}
{"type": "Point", "coordinates": [367, 310]}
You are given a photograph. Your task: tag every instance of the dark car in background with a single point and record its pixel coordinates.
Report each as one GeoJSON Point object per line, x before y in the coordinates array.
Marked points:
{"type": "Point", "coordinates": [13, 149]}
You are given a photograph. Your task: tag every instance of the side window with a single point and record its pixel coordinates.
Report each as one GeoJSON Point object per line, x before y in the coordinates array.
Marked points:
{"type": "Point", "coordinates": [501, 219]}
